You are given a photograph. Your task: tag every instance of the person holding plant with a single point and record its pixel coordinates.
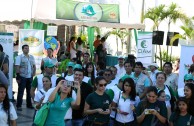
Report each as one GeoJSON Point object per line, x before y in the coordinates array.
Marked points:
{"type": "Point", "coordinates": [61, 101]}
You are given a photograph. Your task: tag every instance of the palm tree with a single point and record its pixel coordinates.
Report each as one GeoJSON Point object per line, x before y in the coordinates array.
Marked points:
{"type": "Point", "coordinates": [172, 14]}
{"type": "Point", "coordinates": [157, 15]}
{"type": "Point", "coordinates": [188, 28]}
{"type": "Point", "coordinates": [119, 33]}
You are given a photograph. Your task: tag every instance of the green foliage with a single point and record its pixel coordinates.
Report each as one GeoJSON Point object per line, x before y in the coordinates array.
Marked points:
{"type": "Point", "coordinates": [164, 55]}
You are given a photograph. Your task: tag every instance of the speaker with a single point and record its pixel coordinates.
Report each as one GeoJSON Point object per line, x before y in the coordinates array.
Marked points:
{"type": "Point", "coordinates": [169, 37]}
{"type": "Point", "coordinates": [157, 37]}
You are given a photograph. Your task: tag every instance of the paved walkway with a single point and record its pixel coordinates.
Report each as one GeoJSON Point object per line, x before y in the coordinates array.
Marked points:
{"type": "Point", "coordinates": [25, 116]}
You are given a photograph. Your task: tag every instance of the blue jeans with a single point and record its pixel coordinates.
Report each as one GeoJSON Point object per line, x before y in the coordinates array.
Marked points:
{"type": "Point", "coordinates": [24, 83]}
{"type": "Point", "coordinates": [77, 122]}
{"type": "Point", "coordinates": [68, 122]}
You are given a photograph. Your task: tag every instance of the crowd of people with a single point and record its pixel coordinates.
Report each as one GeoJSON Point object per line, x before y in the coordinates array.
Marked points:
{"type": "Point", "coordinates": [90, 93]}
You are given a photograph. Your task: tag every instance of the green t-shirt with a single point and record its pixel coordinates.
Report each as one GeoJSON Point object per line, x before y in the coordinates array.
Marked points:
{"type": "Point", "coordinates": [57, 111]}
{"type": "Point", "coordinates": [159, 106]}
{"type": "Point", "coordinates": [181, 120]}
{"type": "Point", "coordinates": [98, 101]}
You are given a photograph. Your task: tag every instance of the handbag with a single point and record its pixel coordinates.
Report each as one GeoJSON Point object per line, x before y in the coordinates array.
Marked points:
{"type": "Point", "coordinates": [42, 114]}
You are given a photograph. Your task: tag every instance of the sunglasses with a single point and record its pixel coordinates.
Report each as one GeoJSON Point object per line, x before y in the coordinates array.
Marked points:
{"type": "Point", "coordinates": [102, 85]}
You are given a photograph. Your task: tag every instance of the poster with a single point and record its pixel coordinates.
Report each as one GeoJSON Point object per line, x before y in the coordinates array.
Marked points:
{"type": "Point", "coordinates": [6, 40]}
{"type": "Point", "coordinates": [186, 59]}
{"type": "Point", "coordinates": [144, 47]}
{"type": "Point", "coordinates": [85, 11]}
{"type": "Point", "coordinates": [35, 40]}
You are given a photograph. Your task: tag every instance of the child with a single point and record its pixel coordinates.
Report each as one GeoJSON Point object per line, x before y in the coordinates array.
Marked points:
{"type": "Point", "coordinates": [181, 117]}
{"type": "Point", "coordinates": [161, 95]}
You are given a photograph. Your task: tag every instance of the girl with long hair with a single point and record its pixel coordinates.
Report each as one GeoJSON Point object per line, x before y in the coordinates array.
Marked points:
{"type": "Point", "coordinates": [61, 101]}
{"type": "Point", "coordinates": [181, 117]}
{"type": "Point", "coordinates": [151, 111]}
{"type": "Point", "coordinates": [8, 114]}
{"type": "Point", "coordinates": [189, 95]}
{"type": "Point", "coordinates": [79, 48]}
{"type": "Point", "coordinates": [124, 103]}
{"type": "Point", "coordinates": [72, 47]}
{"type": "Point", "coordinates": [90, 72]}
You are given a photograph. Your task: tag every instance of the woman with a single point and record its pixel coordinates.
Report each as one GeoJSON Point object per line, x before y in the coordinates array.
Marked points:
{"type": "Point", "coordinates": [89, 72]}
{"type": "Point", "coordinates": [79, 48]}
{"type": "Point", "coordinates": [160, 79]}
{"type": "Point", "coordinates": [181, 117]}
{"type": "Point", "coordinates": [189, 95]}
{"type": "Point", "coordinates": [151, 111]}
{"type": "Point", "coordinates": [124, 103]}
{"type": "Point", "coordinates": [49, 58]}
{"type": "Point", "coordinates": [39, 96]}
{"type": "Point", "coordinates": [8, 114]}
{"type": "Point", "coordinates": [72, 45]}
{"type": "Point", "coordinates": [97, 105]}
{"type": "Point", "coordinates": [61, 101]}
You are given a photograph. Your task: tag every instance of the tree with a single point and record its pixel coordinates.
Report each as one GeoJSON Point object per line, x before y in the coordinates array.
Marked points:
{"type": "Point", "coordinates": [172, 14]}
{"type": "Point", "coordinates": [119, 33]}
{"type": "Point", "coordinates": [157, 15]}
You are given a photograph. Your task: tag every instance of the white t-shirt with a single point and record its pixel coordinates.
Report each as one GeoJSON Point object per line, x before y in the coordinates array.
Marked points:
{"type": "Point", "coordinates": [120, 71]}
{"type": "Point", "coordinates": [110, 85]}
{"type": "Point", "coordinates": [125, 106]}
{"type": "Point", "coordinates": [39, 95]}
{"type": "Point", "coordinates": [69, 111]}
{"type": "Point", "coordinates": [40, 83]}
{"type": "Point", "coordinates": [4, 116]}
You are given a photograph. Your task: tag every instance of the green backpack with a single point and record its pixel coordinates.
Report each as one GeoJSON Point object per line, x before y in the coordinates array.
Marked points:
{"type": "Point", "coordinates": [42, 114]}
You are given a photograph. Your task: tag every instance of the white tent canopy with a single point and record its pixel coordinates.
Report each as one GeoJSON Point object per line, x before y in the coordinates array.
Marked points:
{"type": "Point", "coordinates": [45, 11]}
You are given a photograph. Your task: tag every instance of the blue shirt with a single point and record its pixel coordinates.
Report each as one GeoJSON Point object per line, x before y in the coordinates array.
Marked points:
{"type": "Point", "coordinates": [57, 111]}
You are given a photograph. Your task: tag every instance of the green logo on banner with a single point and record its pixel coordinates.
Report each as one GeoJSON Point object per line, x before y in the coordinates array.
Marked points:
{"type": "Point", "coordinates": [88, 12]}
{"type": "Point", "coordinates": [144, 44]}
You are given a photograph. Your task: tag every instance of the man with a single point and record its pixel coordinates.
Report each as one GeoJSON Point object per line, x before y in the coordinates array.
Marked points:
{"type": "Point", "coordinates": [128, 68]}
{"type": "Point", "coordinates": [141, 80]}
{"type": "Point", "coordinates": [154, 70]}
{"type": "Point", "coordinates": [4, 62]}
{"type": "Point", "coordinates": [86, 89]}
{"type": "Point", "coordinates": [108, 76]}
{"type": "Point", "coordinates": [25, 70]}
{"type": "Point", "coordinates": [114, 73]}
{"type": "Point", "coordinates": [68, 75]}
{"type": "Point", "coordinates": [37, 81]}
{"type": "Point", "coordinates": [96, 44]}
{"type": "Point", "coordinates": [172, 78]}
{"type": "Point", "coordinates": [86, 59]}
{"type": "Point", "coordinates": [120, 67]}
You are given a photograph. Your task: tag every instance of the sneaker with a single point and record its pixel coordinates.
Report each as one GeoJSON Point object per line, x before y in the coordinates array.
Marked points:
{"type": "Point", "coordinates": [19, 108]}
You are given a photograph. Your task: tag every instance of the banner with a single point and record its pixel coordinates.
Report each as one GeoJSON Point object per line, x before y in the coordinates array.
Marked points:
{"type": "Point", "coordinates": [187, 53]}
{"type": "Point", "coordinates": [144, 47]}
{"type": "Point", "coordinates": [6, 40]}
{"type": "Point", "coordinates": [72, 10]}
{"type": "Point", "coordinates": [35, 40]}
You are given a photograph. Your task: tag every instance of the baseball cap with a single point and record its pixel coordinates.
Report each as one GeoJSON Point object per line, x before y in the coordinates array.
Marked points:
{"type": "Point", "coordinates": [125, 77]}
{"type": "Point", "coordinates": [121, 57]}
{"type": "Point", "coordinates": [77, 66]}
{"type": "Point", "coordinates": [153, 64]}
{"type": "Point", "coordinates": [188, 77]}
{"type": "Point", "coordinates": [48, 64]}
{"type": "Point", "coordinates": [70, 64]}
